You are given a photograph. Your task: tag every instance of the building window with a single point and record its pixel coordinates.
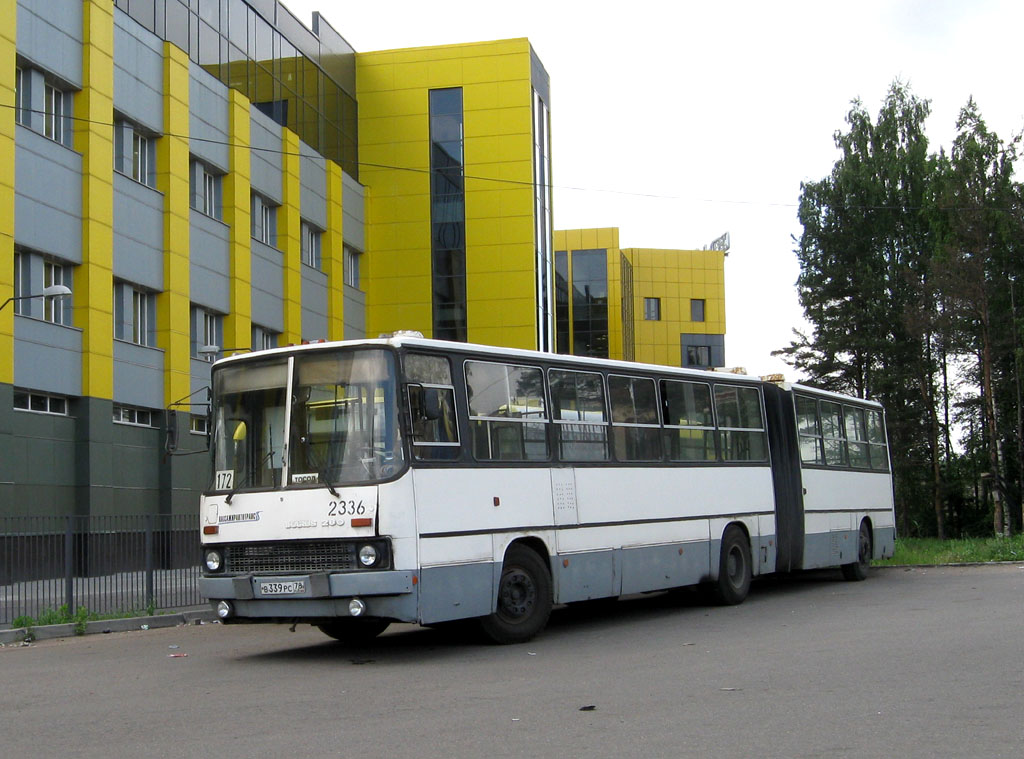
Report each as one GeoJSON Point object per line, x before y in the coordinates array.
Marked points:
{"type": "Point", "coordinates": [351, 265]}
{"type": "Point", "coordinates": [698, 355]}
{"type": "Point", "coordinates": [140, 417]}
{"type": "Point", "coordinates": [264, 220]}
{"type": "Point", "coordinates": [21, 282]}
{"type": "Point", "coordinates": [207, 330]}
{"type": "Point", "coordinates": [447, 215]}
{"type": "Point", "coordinates": [22, 96]}
{"type": "Point", "coordinates": [696, 309]}
{"type": "Point", "coordinates": [40, 403]}
{"type": "Point", "coordinates": [589, 276]}
{"type": "Point", "coordinates": [56, 310]}
{"type": "Point", "coordinates": [56, 108]}
{"type": "Point", "coordinates": [311, 237]}
{"type": "Point", "coordinates": [134, 153]}
{"type": "Point", "coordinates": [134, 314]}
{"type": "Point", "coordinates": [205, 186]}
{"type": "Point", "coordinates": [263, 338]}
{"type": "Point", "coordinates": [198, 425]}
{"type": "Point", "coordinates": [652, 309]}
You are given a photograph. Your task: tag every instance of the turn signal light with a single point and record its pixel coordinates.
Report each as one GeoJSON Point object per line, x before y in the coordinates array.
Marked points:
{"type": "Point", "coordinates": [362, 522]}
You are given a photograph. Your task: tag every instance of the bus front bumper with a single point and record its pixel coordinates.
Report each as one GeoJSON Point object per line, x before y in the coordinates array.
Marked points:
{"type": "Point", "coordinates": [317, 596]}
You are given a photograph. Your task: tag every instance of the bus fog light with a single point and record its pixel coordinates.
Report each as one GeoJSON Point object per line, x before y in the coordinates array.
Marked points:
{"type": "Point", "coordinates": [367, 556]}
{"type": "Point", "coordinates": [214, 560]}
{"type": "Point", "coordinates": [356, 607]}
{"type": "Point", "coordinates": [225, 609]}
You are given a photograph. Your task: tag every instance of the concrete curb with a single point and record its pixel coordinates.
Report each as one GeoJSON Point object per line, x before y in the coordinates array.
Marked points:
{"type": "Point", "coordinates": [196, 616]}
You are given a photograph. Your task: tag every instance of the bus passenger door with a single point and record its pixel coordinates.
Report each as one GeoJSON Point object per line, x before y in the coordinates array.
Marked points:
{"type": "Point", "coordinates": [563, 496]}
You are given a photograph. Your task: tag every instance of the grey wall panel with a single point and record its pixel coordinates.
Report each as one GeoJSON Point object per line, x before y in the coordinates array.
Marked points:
{"type": "Point", "coordinates": [267, 279]}
{"type": "Point", "coordinates": [138, 375]}
{"type": "Point", "coordinates": [47, 357]}
{"type": "Point", "coordinates": [355, 313]}
{"type": "Point", "coordinates": [314, 304]}
{"type": "Point", "coordinates": [138, 73]}
{"type": "Point", "coordinates": [352, 202]}
{"type": "Point", "coordinates": [200, 372]}
{"type": "Point", "coordinates": [314, 186]}
{"type": "Point", "coordinates": [138, 233]}
{"type": "Point", "coordinates": [50, 35]}
{"type": "Point", "coordinates": [48, 196]}
{"type": "Point", "coordinates": [208, 117]}
{"type": "Point", "coordinates": [266, 155]}
{"type": "Point", "coordinates": [208, 280]}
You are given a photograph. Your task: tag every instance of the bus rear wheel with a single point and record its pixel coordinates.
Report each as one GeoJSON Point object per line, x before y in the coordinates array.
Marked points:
{"type": "Point", "coordinates": [524, 598]}
{"type": "Point", "coordinates": [858, 570]}
{"type": "Point", "coordinates": [354, 630]}
{"type": "Point", "coordinates": [734, 568]}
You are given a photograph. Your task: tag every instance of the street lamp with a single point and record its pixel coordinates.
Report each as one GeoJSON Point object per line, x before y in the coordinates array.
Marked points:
{"type": "Point", "coordinates": [53, 291]}
{"type": "Point", "coordinates": [210, 352]}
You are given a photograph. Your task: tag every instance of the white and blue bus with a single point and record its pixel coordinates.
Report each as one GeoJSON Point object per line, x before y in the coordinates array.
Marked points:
{"type": "Point", "coordinates": [365, 482]}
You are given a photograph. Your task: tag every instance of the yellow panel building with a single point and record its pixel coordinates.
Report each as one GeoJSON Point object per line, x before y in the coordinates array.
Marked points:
{"type": "Point", "coordinates": [455, 158]}
{"type": "Point", "coordinates": [643, 304]}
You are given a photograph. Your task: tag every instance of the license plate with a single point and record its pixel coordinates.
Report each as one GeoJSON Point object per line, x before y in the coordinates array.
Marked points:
{"type": "Point", "coordinates": [290, 588]}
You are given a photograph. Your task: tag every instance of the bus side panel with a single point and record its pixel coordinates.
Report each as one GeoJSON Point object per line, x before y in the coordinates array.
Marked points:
{"type": "Point", "coordinates": [588, 575]}
{"type": "Point", "coordinates": [456, 592]}
{"type": "Point", "coordinates": [663, 567]}
{"type": "Point", "coordinates": [836, 502]}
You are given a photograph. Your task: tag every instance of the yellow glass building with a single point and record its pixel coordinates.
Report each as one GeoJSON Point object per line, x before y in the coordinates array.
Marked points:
{"type": "Point", "coordinates": [639, 304]}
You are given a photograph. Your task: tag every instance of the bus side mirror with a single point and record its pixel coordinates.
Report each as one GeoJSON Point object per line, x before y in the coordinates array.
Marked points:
{"type": "Point", "coordinates": [424, 403]}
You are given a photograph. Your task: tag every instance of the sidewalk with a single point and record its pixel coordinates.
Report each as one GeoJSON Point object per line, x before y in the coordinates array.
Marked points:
{"type": "Point", "coordinates": [193, 616]}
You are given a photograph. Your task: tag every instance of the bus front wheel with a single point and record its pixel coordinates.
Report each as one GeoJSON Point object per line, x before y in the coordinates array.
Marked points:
{"type": "Point", "coordinates": [734, 568]}
{"type": "Point", "coordinates": [524, 598]}
{"type": "Point", "coordinates": [858, 570]}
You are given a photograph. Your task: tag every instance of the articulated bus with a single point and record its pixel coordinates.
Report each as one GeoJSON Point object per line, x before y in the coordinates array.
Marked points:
{"type": "Point", "coordinates": [404, 479]}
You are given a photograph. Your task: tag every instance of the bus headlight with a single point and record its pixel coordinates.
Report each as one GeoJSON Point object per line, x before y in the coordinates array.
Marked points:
{"type": "Point", "coordinates": [368, 556]}
{"type": "Point", "coordinates": [214, 560]}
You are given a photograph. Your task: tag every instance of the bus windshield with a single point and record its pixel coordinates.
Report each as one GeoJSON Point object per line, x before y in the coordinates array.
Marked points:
{"type": "Point", "coordinates": [344, 418]}
{"type": "Point", "coordinates": [248, 425]}
{"type": "Point", "coordinates": [342, 426]}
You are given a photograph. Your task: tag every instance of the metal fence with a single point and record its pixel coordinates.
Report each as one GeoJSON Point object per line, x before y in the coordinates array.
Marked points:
{"type": "Point", "coordinates": [107, 564]}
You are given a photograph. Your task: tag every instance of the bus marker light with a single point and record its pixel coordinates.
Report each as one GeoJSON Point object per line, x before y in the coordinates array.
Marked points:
{"type": "Point", "coordinates": [211, 529]}
{"type": "Point", "coordinates": [497, 501]}
{"type": "Point", "coordinates": [415, 580]}
{"type": "Point", "coordinates": [356, 607]}
{"type": "Point", "coordinates": [362, 522]}
{"type": "Point", "coordinates": [565, 563]}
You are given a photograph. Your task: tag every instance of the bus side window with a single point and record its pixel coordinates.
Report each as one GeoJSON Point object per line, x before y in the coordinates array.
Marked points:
{"type": "Point", "coordinates": [809, 430]}
{"type": "Point", "coordinates": [581, 424]}
{"type": "Point", "coordinates": [435, 433]}
{"type": "Point", "coordinates": [689, 422]}
{"type": "Point", "coordinates": [431, 406]}
{"type": "Point", "coordinates": [636, 430]}
{"type": "Point", "coordinates": [507, 413]}
{"type": "Point", "coordinates": [740, 423]}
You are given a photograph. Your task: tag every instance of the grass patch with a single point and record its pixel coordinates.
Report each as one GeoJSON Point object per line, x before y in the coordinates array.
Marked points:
{"type": "Point", "coordinates": [79, 618]}
{"type": "Point", "coordinates": [966, 550]}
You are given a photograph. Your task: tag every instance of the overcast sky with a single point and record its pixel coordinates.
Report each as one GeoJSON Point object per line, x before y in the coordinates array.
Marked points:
{"type": "Point", "coordinates": [679, 121]}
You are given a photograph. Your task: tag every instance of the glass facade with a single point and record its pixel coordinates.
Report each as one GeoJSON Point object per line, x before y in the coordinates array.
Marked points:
{"type": "Point", "coordinates": [562, 322]}
{"type": "Point", "coordinates": [302, 80]}
{"type": "Point", "coordinates": [447, 215]}
{"type": "Point", "coordinates": [589, 276]}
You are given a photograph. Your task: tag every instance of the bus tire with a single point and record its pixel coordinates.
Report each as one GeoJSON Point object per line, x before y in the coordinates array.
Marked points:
{"type": "Point", "coordinates": [524, 598]}
{"type": "Point", "coordinates": [858, 570]}
{"type": "Point", "coordinates": [734, 568]}
{"type": "Point", "coordinates": [354, 630]}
